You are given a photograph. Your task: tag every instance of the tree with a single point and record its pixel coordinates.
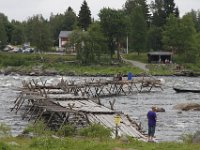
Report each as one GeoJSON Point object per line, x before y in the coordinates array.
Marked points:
{"type": "Point", "coordinates": [158, 18]}
{"type": "Point", "coordinates": [197, 40]}
{"type": "Point", "coordinates": [138, 30]}
{"type": "Point", "coordinates": [161, 10]}
{"type": "Point", "coordinates": [70, 20]}
{"type": "Point", "coordinates": [4, 32]}
{"type": "Point", "coordinates": [98, 41]}
{"type": "Point", "coordinates": [60, 22]}
{"type": "Point", "coordinates": [130, 6]}
{"type": "Point", "coordinates": [90, 45]}
{"type": "Point", "coordinates": [3, 36]}
{"type": "Point", "coordinates": [154, 36]}
{"type": "Point", "coordinates": [38, 33]}
{"type": "Point", "coordinates": [196, 19]}
{"type": "Point", "coordinates": [187, 34]}
{"type": "Point", "coordinates": [84, 16]}
{"type": "Point", "coordinates": [17, 36]}
{"type": "Point", "coordinates": [171, 34]}
{"type": "Point", "coordinates": [180, 36]}
{"type": "Point", "coordinates": [114, 25]}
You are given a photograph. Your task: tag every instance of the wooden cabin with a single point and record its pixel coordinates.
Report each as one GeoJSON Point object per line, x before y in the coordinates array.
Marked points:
{"type": "Point", "coordinates": [159, 57]}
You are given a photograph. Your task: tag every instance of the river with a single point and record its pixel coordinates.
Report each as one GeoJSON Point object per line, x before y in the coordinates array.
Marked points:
{"type": "Point", "coordinates": [171, 124]}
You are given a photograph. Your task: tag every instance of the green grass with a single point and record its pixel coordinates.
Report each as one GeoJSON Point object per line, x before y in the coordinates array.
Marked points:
{"type": "Point", "coordinates": [156, 69]}
{"type": "Point", "coordinates": [80, 143]}
{"type": "Point", "coordinates": [142, 57]}
{"type": "Point", "coordinates": [93, 137]}
{"type": "Point", "coordinates": [63, 64]}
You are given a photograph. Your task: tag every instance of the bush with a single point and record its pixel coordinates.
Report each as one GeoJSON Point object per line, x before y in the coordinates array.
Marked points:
{"type": "Point", "coordinates": [4, 146]}
{"type": "Point", "coordinates": [95, 130]}
{"type": "Point", "coordinates": [66, 130]}
{"type": "Point", "coordinates": [39, 128]}
{"type": "Point", "coordinates": [191, 138]}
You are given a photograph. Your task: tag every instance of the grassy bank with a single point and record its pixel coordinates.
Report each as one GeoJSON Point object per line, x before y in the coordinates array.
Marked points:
{"type": "Point", "coordinates": [61, 64]}
{"type": "Point", "coordinates": [49, 64]}
{"type": "Point", "coordinates": [80, 143]}
{"type": "Point", "coordinates": [93, 137]}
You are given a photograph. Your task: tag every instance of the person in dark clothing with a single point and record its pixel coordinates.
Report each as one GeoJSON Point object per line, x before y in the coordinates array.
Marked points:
{"type": "Point", "coordinates": [130, 75]}
{"type": "Point", "coordinates": [151, 115]}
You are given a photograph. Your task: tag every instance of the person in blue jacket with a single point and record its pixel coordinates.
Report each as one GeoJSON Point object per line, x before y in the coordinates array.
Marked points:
{"type": "Point", "coordinates": [130, 75]}
{"type": "Point", "coordinates": [151, 115]}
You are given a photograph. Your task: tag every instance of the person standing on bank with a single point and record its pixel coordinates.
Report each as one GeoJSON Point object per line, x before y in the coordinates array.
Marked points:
{"type": "Point", "coordinates": [151, 115]}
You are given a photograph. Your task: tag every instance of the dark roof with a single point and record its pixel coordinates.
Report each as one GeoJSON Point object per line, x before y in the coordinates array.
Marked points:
{"type": "Point", "coordinates": [64, 34]}
{"type": "Point", "coordinates": [160, 53]}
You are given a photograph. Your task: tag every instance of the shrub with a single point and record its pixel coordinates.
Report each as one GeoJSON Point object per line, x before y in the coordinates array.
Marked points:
{"type": "Point", "coordinates": [191, 138]}
{"type": "Point", "coordinates": [39, 128]}
{"type": "Point", "coordinates": [95, 130]}
{"type": "Point", "coordinates": [4, 146]}
{"type": "Point", "coordinates": [66, 130]}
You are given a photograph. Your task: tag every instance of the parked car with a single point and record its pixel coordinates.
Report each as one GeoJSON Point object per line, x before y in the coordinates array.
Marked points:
{"type": "Point", "coordinates": [28, 50]}
{"type": "Point", "coordinates": [17, 50]}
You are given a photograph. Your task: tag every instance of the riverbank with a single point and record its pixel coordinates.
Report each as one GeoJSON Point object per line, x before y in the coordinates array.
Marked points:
{"type": "Point", "coordinates": [94, 71]}
{"type": "Point", "coordinates": [80, 143]}
{"type": "Point", "coordinates": [67, 65]}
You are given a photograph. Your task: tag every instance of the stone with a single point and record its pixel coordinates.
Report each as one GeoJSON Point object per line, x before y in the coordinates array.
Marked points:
{"type": "Point", "coordinates": [160, 109]}
{"type": "Point", "coordinates": [187, 106]}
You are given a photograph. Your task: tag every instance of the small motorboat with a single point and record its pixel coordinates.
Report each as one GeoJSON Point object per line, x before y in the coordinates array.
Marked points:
{"type": "Point", "coordinates": [183, 90]}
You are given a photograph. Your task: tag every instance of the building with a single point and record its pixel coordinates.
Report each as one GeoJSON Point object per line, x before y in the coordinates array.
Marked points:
{"type": "Point", "coordinates": [64, 38]}
{"type": "Point", "coordinates": [159, 57]}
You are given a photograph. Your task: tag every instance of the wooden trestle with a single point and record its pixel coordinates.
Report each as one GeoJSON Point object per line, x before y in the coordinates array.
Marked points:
{"type": "Point", "coordinates": [69, 102]}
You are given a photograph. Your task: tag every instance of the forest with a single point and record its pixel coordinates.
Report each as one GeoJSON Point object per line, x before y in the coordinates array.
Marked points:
{"type": "Point", "coordinates": [148, 27]}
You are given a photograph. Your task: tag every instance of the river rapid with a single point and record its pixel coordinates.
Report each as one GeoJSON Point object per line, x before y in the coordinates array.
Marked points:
{"type": "Point", "coordinates": [171, 125]}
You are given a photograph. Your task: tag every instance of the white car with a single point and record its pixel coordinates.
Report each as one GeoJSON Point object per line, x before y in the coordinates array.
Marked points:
{"type": "Point", "coordinates": [27, 50]}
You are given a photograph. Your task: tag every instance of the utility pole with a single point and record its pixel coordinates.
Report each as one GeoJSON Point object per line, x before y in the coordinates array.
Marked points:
{"type": "Point", "coordinates": [127, 44]}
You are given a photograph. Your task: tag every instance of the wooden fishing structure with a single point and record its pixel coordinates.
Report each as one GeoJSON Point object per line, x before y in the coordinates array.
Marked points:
{"type": "Point", "coordinates": [96, 88]}
{"type": "Point", "coordinates": [79, 104]}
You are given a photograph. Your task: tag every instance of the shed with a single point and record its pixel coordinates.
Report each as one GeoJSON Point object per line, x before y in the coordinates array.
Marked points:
{"type": "Point", "coordinates": [159, 57]}
{"type": "Point", "coordinates": [63, 38]}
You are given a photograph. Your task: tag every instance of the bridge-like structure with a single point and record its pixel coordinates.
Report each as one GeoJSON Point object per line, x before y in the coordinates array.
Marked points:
{"type": "Point", "coordinates": [79, 103]}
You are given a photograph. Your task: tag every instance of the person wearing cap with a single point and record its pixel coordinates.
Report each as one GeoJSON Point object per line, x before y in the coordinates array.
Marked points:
{"type": "Point", "coordinates": [151, 115]}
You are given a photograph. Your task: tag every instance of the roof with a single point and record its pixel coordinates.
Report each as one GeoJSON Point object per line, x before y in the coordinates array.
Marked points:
{"type": "Point", "coordinates": [160, 53]}
{"type": "Point", "coordinates": [65, 34]}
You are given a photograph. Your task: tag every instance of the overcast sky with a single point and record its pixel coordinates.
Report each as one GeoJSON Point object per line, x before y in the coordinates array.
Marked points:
{"type": "Point", "coordinates": [22, 9]}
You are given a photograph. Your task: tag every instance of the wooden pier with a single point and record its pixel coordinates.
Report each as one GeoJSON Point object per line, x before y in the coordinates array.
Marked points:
{"type": "Point", "coordinates": [79, 103]}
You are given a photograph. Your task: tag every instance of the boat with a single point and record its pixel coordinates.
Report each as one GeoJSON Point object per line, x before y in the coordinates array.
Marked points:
{"type": "Point", "coordinates": [184, 90]}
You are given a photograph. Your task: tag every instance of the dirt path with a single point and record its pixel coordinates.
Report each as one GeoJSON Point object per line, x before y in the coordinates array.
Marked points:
{"type": "Point", "coordinates": [136, 64]}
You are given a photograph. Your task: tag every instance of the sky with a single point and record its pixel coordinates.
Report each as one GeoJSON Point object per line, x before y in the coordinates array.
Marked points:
{"type": "Point", "coordinates": [23, 9]}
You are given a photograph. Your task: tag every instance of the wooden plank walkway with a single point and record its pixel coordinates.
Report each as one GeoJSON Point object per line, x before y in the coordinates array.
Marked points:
{"type": "Point", "coordinates": [105, 116]}
{"type": "Point", "coordinates": [60, 104]}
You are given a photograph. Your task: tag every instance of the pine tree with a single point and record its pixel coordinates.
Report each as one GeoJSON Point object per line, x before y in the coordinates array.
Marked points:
{"type": "Point", "coordinates": [162, 10]}
{"type": "Point", "coordinates": [84, 16]}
